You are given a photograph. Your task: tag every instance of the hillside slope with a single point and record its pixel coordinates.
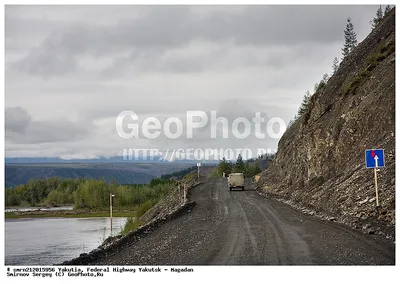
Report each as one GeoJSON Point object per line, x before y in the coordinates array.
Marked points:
{"type": "Point", "coordinates": [320, 163]}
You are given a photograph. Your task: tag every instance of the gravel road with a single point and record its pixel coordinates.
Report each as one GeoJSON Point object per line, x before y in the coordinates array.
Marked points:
{"type": "Point", "coordinates": [244, 228]}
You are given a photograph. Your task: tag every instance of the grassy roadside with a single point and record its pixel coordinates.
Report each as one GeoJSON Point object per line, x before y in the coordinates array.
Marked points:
{"type": "Point", "coordinates": [69, 214]}
{"type": "Point", "coordinates": [164, 205]}
{"type": "Point", "coordinates": [133, 222]}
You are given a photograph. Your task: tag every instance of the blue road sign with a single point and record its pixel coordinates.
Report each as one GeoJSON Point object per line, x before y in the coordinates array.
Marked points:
{"type": "Point", "coordinates": [374, 158]}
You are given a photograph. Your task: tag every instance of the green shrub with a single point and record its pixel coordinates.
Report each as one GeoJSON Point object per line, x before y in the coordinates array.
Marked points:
{"type": "Point", "coordinates": [381, 57]}
{"type": "Point", "coordinates": [252, 169]}
{"type": "Point", "coordinates": [214, 174]}
{"type": "Point", "coordinates": [357, 81]}
{"type": "Point", "coordinates": [131, 224]}
{"type": "Point", "coordinates": [12, 198]}
{"type": "Point", "coordinates": [385, 49]}
{"type": "Point", "coordinates": [144, 207]}
{"type": "Point", "coordinates": [190, 177]}
{"type": "Point", "coordinates": [59, 197]}
{"type": "Point", "coordinates": [316, 181]}
{"type": "Point", "coordinates": [224, 166]}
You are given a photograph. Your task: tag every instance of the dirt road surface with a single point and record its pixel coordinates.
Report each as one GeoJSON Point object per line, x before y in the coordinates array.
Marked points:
{"type": "Point", "coordinates": [244, 228]}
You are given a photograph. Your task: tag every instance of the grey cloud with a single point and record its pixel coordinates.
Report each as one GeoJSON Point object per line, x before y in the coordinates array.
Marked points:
{"type": "Point", "coordinates": [175, 26]}
{"type": "Point", "coordinates": [70, 70]}
{"type": "Point", "coordinates": [55, 56]}
{"type": "Point", "coordinates": [45, 63]}
{"type": "Point", "coordinates": [20, 128]}
{"type": "Point", "coordinates": [225, 57]}
{"type": "Point", "coordinates": [17, 119]}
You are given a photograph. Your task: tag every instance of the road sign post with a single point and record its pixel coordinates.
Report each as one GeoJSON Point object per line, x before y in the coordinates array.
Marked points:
{"type": "Point", "coordinates": [376, 187]}
{"type": "Point", "coordinates": [375, 158]}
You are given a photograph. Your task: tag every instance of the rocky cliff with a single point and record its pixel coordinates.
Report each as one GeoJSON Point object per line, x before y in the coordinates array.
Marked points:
{"type": "Point", "coordinates": [320, 163]}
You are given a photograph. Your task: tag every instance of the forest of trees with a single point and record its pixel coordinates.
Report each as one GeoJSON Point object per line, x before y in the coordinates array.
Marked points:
{"type": "Point", "coordinates": [249, 168]}
{"type": "Point", "coordinates": [85, 193]}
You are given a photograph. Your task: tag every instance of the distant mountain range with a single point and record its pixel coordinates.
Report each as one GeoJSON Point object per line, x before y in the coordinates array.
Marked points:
{"type": "Point", "coordinates": [21, 172]}
{"type": "Point", "coordinates": [114, 159]}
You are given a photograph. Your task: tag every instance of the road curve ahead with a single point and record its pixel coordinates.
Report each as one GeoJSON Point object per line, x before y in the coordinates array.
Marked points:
{"type": "Point", "coordinates": [244, 228]}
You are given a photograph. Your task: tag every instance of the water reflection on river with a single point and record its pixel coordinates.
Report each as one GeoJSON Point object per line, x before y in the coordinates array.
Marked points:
{"type": "Point", "coordinates": [23, 209]}
{"type": "Point", "coordinates": [47, 241]}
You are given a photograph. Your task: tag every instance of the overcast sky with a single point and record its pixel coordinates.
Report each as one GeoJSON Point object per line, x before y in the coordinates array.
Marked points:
{"type": "Point", "coordinates": [70, 70]}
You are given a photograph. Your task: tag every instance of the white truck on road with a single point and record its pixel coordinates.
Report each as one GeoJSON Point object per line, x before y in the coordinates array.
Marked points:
{"type": "Point", "coordinates": [236, 180]}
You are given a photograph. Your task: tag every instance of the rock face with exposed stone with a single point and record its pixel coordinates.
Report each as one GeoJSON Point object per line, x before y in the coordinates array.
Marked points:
{"type": "Point", "coordinates": [320, 163]}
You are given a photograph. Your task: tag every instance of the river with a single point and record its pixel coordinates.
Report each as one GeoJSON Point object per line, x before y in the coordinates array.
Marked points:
{"type": "Point", "coordinates": [47, 241]}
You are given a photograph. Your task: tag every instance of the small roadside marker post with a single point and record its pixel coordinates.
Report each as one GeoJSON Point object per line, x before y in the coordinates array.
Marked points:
{"type": "Point", "coordinates": [375, 158]}
{"type": "Point", "coordinates": [111, 196]}
{"type": "Point", "coordinates": [198, 171]}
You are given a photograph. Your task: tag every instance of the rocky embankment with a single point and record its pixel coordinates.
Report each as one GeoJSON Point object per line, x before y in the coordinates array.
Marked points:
{"type": "Point", "coordinates": [171, 207]}
{"type": "Point", "coordinates": [320, 163]}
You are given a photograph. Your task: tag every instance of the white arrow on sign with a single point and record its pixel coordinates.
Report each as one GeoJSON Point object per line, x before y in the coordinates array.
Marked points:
{"type": "Point", "coordinates": [376, 161]}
